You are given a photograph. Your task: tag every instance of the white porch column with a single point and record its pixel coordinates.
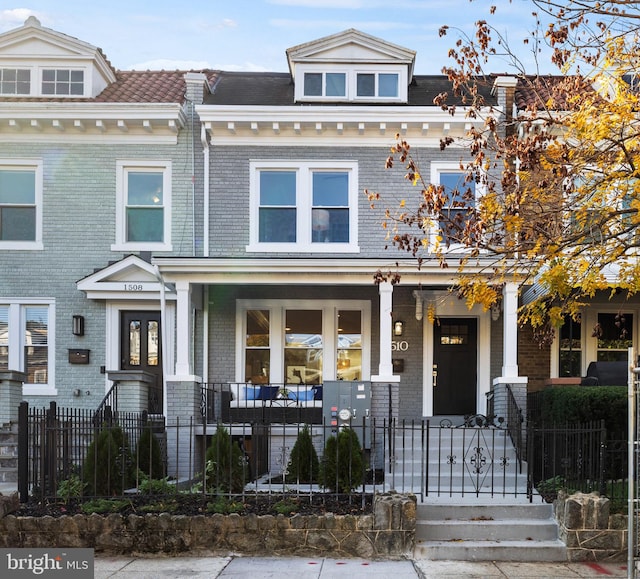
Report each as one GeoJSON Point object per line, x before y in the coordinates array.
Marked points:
{"type": "Point", "coordinates": [385, 369]}
{"type": "Point", "coordinates": [510, 377]}
{"type": "Point", "coordinates": [183, 329]}
{"type": "Point", "coordinates": [510, 326]}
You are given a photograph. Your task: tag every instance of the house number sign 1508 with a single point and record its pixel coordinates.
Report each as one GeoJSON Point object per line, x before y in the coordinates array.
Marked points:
{"type": "Point", "coordinates": [399, 346]}
{"type": "Point", "coordinates": [133, 287]}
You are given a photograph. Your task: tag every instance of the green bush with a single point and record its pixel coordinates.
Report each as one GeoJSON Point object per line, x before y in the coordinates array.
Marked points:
{"type": "Point", "coordinates": [108, 467]}
{"type": "Point", "coordinates": [149, 455]}
{"type": "Point", "coordinates": [343, 462]}
{"type": "Point", "coordinates": [71, 488]}
{"type": "Point", "coordinates": [303, 464]}
{"type": "Point", "coordinates": [579, 404]}
{"type": "Point", "coordinates": [225, 469]}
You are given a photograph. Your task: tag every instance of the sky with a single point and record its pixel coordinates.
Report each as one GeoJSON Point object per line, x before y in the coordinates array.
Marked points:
{"type": "Point", "coordinates": [252, 35]}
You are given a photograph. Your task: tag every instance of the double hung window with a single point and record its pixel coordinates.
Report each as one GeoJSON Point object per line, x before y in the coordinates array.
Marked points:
{"type": "Point", "coordinates": [143, 206]}
{"type": "Point", "coordinates": [62, 82]}
{"type": "Point", "coordinates": [304, 207]}
{"type": "Point", "coordinates": [25, 342]}
{"type": "Point", "coordinates": [20, 204]}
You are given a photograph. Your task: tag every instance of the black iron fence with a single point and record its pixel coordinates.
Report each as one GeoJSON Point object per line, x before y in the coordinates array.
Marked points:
{"type": "Point", "coordinates": [69, 453]}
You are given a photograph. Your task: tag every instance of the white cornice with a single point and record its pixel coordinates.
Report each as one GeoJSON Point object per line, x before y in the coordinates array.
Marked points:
{"type": "Point", "coordinates": [347, 271]}
{"type": "Point", "coordinates": [51, 121]}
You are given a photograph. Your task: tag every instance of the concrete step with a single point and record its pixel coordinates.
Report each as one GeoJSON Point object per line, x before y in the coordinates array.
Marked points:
{"type": "Point", "coordinates": [490, 530]}
{"type": "Point", "coordinates": [523, 551]}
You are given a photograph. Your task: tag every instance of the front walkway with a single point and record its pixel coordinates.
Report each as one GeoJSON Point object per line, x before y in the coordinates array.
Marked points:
{"type": "Point", "coordinates": [312, 568]}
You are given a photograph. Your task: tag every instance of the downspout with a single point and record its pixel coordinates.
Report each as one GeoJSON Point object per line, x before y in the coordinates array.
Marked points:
{"type": "Point", "coordinates": [205, 189]}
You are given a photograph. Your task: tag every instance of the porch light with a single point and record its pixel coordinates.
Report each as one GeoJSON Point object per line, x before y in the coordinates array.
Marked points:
{"type": "Point", "coordinates": [398, 328]}
{"type": "Point", "coordinates": [78, 325]}
{"type": "Point", "coordinates": [496, 308]}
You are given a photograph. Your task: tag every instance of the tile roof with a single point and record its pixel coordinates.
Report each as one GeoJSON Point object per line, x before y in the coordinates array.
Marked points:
{"type": "Point", "coordinates": [134, 87]}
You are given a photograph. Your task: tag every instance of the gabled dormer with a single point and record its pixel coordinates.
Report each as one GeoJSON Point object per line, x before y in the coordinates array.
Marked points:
{"type": "Point", "coordinates": [39, 62]}
{"type": "Point", "coordinates": [351, 67]}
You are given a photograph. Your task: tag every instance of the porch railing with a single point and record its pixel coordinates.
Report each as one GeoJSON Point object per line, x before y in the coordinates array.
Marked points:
{"type": "Point", "coordinates": [515, 427]}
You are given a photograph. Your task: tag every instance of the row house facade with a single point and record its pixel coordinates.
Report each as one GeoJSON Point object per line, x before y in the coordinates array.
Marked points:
{"type": "Point", "coordinates": [211, 227]}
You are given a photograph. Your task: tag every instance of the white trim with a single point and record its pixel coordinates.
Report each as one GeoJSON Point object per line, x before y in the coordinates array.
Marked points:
{"type": "Point", "coordinates": [122, 169]}
{"type": "Point", "coordinates": [277, 309]}
{"type": "Point", "coordinates": [16, 355]}
{"type": "Point", "coordinates": [449, 306]}
{"type": "Point", "coordinates": [303, 171]}
{"type": "Point", "coordinates": [36, 165]}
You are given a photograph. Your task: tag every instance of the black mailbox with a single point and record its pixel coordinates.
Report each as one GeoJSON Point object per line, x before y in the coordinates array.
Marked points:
{"type": "Point", "coordinates": [78, 356]}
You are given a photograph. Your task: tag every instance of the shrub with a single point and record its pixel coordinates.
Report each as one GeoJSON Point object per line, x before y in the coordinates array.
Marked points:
{"type": "Point", "coordinates": [151, 486]}
{"type": "Point", "coordinates": [149, 455]}
{"type": "Point", "coordinates": [581, 404]}
{"type": "Point", "coordinates": [343, 462]}
{"type": "Point", "coordinates": [225, 464]}
{"type": "Point", "coordinates": [71, 488]}
{"type": "Point", "coordinates": [108, 468]}
{"type": "Point", "coordinates": [303, 463]}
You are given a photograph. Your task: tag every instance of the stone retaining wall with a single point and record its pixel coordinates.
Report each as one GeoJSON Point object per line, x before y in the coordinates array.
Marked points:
{"type": "Point", "coordinates": [588, 530]}
{"type": "Point", "coordinates": [388, 533]}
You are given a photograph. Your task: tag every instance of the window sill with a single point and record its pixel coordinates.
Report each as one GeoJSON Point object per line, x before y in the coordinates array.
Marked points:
{"type": "Point", "coordinates": [142, 247]}
{"type": "Point", "coordinates": [298, 248]}
{"type": "Point", "coordinates": [21, 245]}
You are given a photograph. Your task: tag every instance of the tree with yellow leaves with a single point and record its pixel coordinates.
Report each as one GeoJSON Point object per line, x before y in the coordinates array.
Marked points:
{"type": "Point", "coordinates": [560, 179]}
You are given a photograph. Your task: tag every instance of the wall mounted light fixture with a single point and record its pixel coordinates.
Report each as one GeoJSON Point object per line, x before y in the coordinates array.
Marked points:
{"type": "Point", "coordinates": [78, 325]}
{"type": "Point", "coordinates": [398, 328]}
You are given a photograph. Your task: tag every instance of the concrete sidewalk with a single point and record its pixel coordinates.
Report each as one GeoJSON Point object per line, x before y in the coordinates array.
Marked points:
{"type": "Point", "coordinates": [310, 568]}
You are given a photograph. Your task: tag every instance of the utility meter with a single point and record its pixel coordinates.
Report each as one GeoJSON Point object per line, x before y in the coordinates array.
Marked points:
{"type": "Point", "coordinates": [347, 404]}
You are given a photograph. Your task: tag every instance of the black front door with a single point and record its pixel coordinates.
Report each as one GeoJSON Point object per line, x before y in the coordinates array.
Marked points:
{"type": "Point", "coordinates": [455, 366]}
{"type": "Point", "coordinates": [141, 350]}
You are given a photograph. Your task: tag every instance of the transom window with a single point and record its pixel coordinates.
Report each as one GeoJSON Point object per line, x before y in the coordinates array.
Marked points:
{"type": "Point", "coordinates": [20, 205]}
{"type": "Point", "coordinates": [16, 81]}
{"type": "Point", "coordinates": [303, 342]}
{"type": "Point", "coordinates": [61, 81]}
{"type": "Point", "coordinates": [304, 207]}
{"type": "Point", "coordinates": [144, 204]}
{"type": "Point", "coordinates": [25, 343]}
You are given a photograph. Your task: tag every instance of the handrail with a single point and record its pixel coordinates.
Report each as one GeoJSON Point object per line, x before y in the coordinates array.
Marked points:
{"type": "Point", "coordinates": [515, 420]}
{"type": "Point", "coordinates": [109, 401]}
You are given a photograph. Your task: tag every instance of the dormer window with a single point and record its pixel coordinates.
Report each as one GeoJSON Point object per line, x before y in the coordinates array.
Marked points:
{"type": "Point", "coordinates": [328, 84]}
{"type": "Point", "coordinates": [61, 81]}
{"type": "Point", "coordinates": [380, 85]}
{"type": "Point", "coordinates": [15, 81]}
{"type": "Point", "coordinates": [349, 84]}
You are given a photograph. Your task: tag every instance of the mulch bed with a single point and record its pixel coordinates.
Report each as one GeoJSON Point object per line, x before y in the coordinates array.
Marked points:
{"type": "Point", "coordinates": [197, 504]}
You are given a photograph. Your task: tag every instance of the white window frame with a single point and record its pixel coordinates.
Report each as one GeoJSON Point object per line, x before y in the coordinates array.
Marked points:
{"type": "Point", "coordinates": [16, 344]}
{"type": "Point", "coordinates": [16, 69]}
{"type": "Point", "coordinates": [123, 167]}
{"type": "Point", "coordinates": [448, 167]}
{"type": "Point", "coordinates": [36, 74]}
{"type": "Point", "coordinates": [277, 310]}
{"type": "Point", "coordinates": [60, 68]}
{"type": "Point", "coordinates": [36, 166]}
{"type": "Point", "coordinates": [351, 72]}
{"type": "Point", "coordinates": [376, 73]}
{"type": "Point", "coordinates": [324, 95]}
{"type": "Point", "coordinates": [304, 173]}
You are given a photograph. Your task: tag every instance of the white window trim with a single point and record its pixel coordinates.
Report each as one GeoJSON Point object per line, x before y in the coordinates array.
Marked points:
{"type": "Point", "coordinates": [351, 72]}
{"type": "Point", "coordinates": [589, 320]}
{"type": "Point", "coordinates": [448, 167]}
{"type": "Point", "coordinates": [277, 309]}
{"type": "Point", "coordinates": [122, 167]}
{"type": "Point", "coordinates": [36, 165]}
{"type": "Point", "coordinates": [36, 78]}
{"type": "Point", "coordinates": [16, 355]}
{"type": "Point", "coordinates": [303, 170]}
